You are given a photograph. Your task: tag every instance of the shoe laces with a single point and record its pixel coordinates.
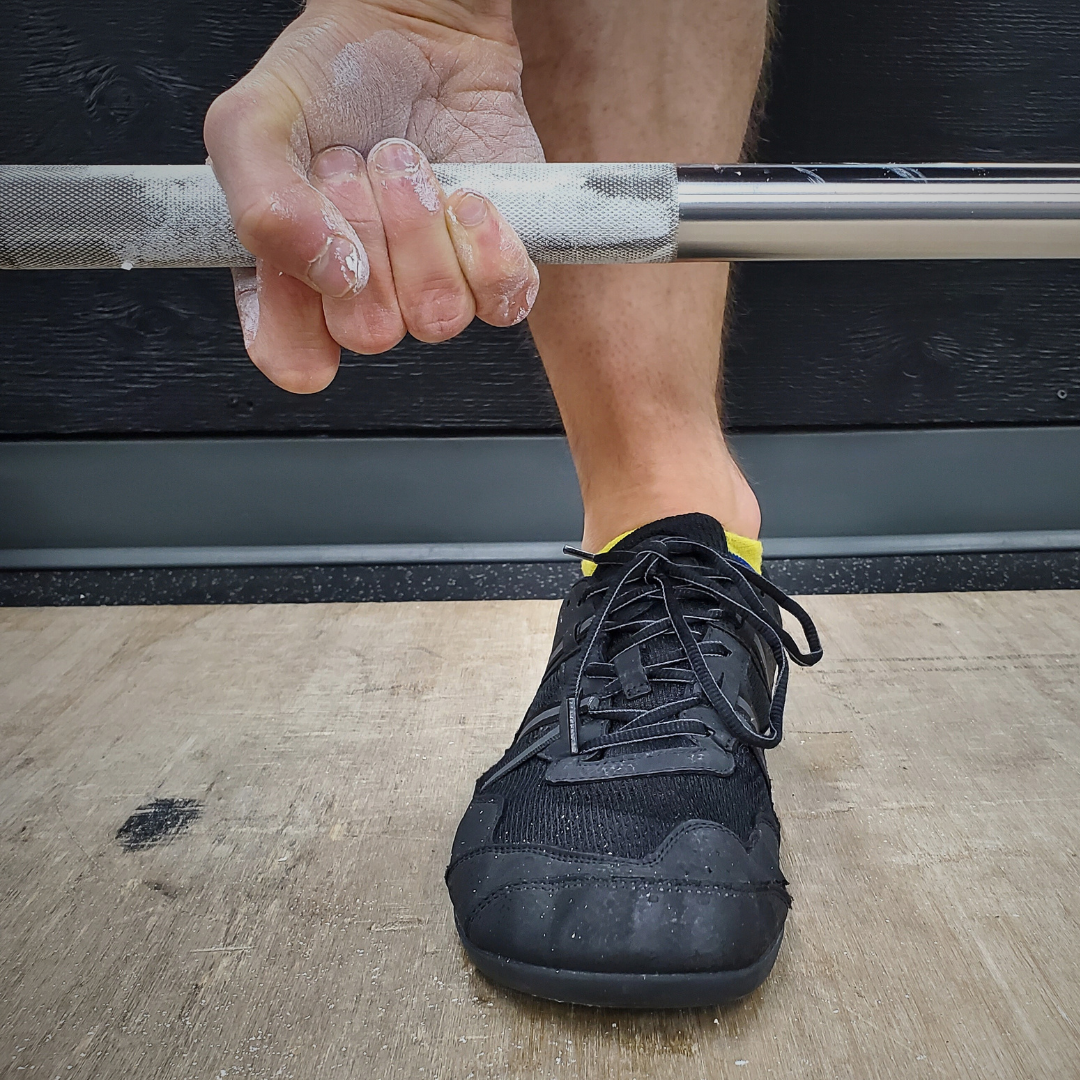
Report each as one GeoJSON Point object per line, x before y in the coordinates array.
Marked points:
{"type": "Point", "coordinates": [670, 592]}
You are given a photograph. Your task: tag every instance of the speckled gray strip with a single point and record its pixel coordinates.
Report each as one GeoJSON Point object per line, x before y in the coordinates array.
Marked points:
{"type": "Point", "coordinates": [107, 216]}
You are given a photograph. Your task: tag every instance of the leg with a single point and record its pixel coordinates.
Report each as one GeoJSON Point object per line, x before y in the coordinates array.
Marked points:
{"type": "Point", "coordinates": [633, 352]}
{"type": "Point", "coordinates": [625, 849]}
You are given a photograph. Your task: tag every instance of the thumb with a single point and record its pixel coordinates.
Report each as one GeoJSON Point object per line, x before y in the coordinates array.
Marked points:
{"type": "Point", "coordinates": [279, 217]}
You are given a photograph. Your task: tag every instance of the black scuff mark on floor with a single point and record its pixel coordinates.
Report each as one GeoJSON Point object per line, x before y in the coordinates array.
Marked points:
{"type": "Point", "coordinates": [157, 822]}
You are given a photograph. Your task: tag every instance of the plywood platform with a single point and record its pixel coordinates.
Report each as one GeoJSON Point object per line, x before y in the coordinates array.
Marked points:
{"type": "Point", "coordinates": [291, 921]}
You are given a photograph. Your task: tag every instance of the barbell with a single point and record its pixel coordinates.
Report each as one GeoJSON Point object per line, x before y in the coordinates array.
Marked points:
{"type": "Point", "coordinates": [136, 216]}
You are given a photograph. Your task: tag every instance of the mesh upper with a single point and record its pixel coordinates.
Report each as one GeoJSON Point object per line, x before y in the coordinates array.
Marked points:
{"type": "Point", "coordinates": [629, 817]}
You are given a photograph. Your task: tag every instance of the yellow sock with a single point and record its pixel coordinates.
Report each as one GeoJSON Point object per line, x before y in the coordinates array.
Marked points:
{"type": "Point", "coordinates": [746, 549]}
{"type": "Point", "coordinates": [588, 567]}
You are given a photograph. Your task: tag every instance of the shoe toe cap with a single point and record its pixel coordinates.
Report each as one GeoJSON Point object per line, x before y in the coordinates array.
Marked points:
{"type": "Point", "coordinates": [702, 902]}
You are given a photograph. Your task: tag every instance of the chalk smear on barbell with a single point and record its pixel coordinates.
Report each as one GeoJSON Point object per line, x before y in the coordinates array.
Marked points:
{"type": "Point", "coordinates": [58, 217]}
{"type": "Point", "coordinates": [74, 217]}
{"type": "Point", "coordinates": [576, 213]}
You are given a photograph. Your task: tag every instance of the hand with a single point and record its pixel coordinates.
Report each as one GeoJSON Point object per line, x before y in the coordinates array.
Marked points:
{"type": "Point", "coordinates": [356, 252]}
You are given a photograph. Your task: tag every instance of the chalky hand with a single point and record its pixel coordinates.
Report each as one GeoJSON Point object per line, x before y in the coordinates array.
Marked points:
{"type": "Point", "coordinates": [323, 152]}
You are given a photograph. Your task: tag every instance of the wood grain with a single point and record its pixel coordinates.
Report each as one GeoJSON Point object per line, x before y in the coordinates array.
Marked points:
{"type": "Point", "coordinates": [903, 81]}
{"type": "Point", "coordinates": [160, 352]}
{"type": "Point", "coordinates": [928, 786]}
{"type": "Point", "coordinates": [897, 344]}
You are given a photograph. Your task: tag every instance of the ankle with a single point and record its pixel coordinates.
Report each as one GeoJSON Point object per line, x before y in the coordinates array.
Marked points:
{"type": "Point", "coordinates": [612, 511]}
{"type": "Point", "coordinates": [744, 515]}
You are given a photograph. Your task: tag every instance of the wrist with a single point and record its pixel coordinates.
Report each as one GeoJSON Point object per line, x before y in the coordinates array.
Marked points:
{"type": "Point", "coordinates": [484, 18]}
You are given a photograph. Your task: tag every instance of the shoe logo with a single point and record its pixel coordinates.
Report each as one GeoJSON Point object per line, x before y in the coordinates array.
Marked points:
{"type": "Point", "coordinates": [702, 755]}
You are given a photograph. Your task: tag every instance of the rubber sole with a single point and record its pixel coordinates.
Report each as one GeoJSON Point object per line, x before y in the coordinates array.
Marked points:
{"type": "Point", "coordinates": [620, 990]}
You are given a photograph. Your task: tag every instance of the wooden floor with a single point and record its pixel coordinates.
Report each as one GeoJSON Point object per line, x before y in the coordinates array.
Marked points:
{"type": "Point", "coordinates": [929, 787]}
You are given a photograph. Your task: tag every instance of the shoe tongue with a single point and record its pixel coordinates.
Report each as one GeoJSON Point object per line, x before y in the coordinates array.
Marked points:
{"type": "Point", "coordinates": [700, 528]}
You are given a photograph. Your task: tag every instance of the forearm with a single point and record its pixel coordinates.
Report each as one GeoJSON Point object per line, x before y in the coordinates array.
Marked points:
{"type": "Point", "coordinates": [638, 80]}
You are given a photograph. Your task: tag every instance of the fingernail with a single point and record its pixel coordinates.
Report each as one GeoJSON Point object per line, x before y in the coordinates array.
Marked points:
{"type": "Point", "coordinates": [395, 157]}
{"type": "Point", "coordinates": [531, 292]}
{"type": "Point", "coordinates": [247, 304]}
{"type": "Point", "coordinates": [336, 163]}
{"type": "Point", "coordinates": [470, 209]}
{"type": "Point", "coordinates": [339, 270]}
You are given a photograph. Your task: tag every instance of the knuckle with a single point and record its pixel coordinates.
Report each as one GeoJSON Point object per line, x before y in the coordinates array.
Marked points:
{"type": "Point", "coordinates": [371, 344]}
{"type": "Point", "coordinates": [377, 336]}
{"type": "Point", "coordinates": [261, 222]}
{"type": "Point", "coordinates": [222, 118]}
{"type": "Point", "coordinates": [509, 300]}
{"type": "Point", "coordinates": [364, 324]}
{"type": "Point", "coordinates": [501, 276]}
{"type": "Point", "coordinates": [439, 313]}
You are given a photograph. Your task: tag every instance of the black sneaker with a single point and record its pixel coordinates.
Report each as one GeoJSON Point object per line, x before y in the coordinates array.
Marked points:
{"type": "Point", "coordinates": [625, 851]}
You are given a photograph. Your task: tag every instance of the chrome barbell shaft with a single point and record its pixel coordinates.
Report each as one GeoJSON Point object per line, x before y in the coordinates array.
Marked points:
{"type": "Point", "coordinates": [878, 212]}
{"type": "Point", "coordinates": [84, 217]}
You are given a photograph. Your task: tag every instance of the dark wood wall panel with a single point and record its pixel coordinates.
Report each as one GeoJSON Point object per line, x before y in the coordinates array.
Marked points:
{"type": "Point", "coordinates": [108, 81]}
{"type": "Point", "coordinates": [864, 344]}
{"type": "Point", "coordinates": [890, 344]}
{"type": "Point", "coordinates": [121, 354]}
{"type": "Point", "coordinates": [812, 345]}
{"type": "Point", "coordinates": [919, 80]}
{"type": "Point", "coordinates": [108, 354]}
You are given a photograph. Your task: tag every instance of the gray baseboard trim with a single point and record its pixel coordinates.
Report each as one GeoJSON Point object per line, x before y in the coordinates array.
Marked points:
{"type": "Point", "coordinates": [131, 503]}
{"type": "Point", "coordinates": [284, 555]}
{"type": "Point", "coordinates": [831, 547]}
